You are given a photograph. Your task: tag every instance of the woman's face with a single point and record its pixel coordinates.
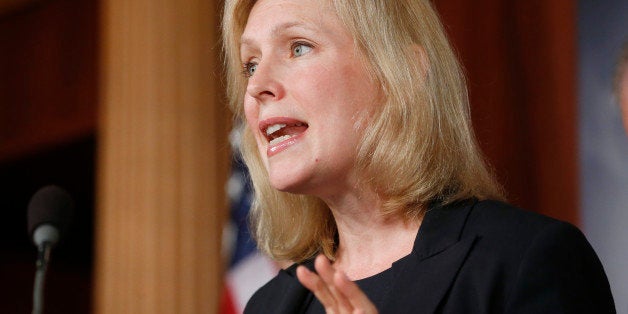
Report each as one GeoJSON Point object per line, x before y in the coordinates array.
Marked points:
{"type": "Point", "coordinates": [308, 97]}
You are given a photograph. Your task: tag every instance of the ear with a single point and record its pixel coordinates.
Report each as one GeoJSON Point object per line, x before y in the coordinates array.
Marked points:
{"type": "Point", "coordinates": [424, 61]}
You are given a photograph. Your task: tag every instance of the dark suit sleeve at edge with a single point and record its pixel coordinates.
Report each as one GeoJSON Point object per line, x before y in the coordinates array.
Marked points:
{"type": "Point", "coordinates": [560, 273]}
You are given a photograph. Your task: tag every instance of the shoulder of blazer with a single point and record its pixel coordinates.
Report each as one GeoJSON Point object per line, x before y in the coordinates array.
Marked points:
{"type": "Point", "coordinates": [282, 294]}
{"type": "Point", "coordinates": [535, 251]}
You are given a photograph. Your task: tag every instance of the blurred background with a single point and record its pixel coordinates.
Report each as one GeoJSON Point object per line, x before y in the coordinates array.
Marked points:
{"type": "Point", "coordinates": [121, 103]}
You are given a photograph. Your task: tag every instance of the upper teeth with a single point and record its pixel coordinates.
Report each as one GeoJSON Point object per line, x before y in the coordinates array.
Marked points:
{"type": "Point", "coordinates": [274, 128]}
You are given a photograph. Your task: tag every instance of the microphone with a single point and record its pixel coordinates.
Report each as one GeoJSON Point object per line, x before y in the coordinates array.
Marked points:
{"type": "Point", "coordinates": [49, 214]}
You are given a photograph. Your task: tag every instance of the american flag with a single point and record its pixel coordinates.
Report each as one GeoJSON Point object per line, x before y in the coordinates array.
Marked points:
{"type": "Point", "coordinates": [248, 268]}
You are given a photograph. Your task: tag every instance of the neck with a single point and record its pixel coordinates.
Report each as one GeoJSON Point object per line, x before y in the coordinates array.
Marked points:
{"type": "Point", "coordinates": [369, 242]}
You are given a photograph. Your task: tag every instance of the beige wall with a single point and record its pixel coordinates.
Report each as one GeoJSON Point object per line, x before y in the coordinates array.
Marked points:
{"type": "Point", "coordinates": [162, 158]}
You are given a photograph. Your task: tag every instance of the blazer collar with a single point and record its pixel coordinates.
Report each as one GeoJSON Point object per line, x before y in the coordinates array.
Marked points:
{"type": "Point", "coordinates": [289, 295]}
{"type": "Point", "coordinates": [424, 277]}
{"type": "Point", "coordinates": [441, 228]}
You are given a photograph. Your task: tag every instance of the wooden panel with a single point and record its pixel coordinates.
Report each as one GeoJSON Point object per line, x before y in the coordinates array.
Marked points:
{"type": "Point", "coordinates": [48, 80]}
{"type": "Point", "coordinates": [8, 7]}
{"type": "Point", "coordinates": [48, 101]}
{"type": "Point", "coordinates": [163, 159]}
{"type": "Point", "coordinates": [520, 60]}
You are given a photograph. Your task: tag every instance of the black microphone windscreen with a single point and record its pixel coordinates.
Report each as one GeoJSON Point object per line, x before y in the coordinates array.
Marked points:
{"type": "Point", "coordinates": [50, 205]}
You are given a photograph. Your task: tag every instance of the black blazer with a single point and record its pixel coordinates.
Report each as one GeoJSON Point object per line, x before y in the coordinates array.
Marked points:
{"type": "Point", "coordinates": [478, 257]}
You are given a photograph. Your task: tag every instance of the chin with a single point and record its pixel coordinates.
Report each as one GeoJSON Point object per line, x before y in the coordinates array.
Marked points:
{"type": "Point", "coordinates": [290, 176]}
{"type": "Point", "coordinates": [290, 184]}
{"type": "Point", "coordinates": [289, 187]}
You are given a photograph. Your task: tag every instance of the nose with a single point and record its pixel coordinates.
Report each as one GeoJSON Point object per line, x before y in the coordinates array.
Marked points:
{"type": "Point", "coordinates": [265, 84]}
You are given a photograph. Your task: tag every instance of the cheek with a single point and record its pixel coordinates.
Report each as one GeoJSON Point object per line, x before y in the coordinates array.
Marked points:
{"type": "Point", "coordinates": [358, 96]}
{"type": "Point", "coordinates": [251, 113]}
{"type": "Point", "coordinates": [324, 88]}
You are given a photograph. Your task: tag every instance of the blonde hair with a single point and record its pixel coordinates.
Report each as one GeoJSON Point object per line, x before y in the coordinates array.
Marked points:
{"type": "Point", "coordinates": [419, 147]}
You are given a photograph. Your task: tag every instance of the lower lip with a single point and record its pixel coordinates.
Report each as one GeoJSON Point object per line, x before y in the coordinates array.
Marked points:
{"type": "Point", "coordinates": [280, 147]}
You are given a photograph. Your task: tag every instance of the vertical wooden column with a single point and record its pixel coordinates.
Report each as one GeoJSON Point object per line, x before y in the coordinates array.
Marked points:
{"type": "Point", "coordinates": [162, 158]}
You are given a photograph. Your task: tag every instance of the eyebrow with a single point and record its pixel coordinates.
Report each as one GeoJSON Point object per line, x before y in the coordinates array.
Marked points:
{"type": "Point", "coordinates": [275, 31]}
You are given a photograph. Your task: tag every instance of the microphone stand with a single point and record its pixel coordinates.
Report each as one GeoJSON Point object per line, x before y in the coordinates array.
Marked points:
{"type": "Point", "coordinates": [49, 213]}
{"type": "Point", "coordinates": [43, 256]}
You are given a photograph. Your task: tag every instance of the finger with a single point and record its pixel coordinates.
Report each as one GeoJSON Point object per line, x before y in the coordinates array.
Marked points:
{"type": "Point", "coordinates": [353, 294]}
{"type": "Point", "coordinates": [327, 271]}
{"type": "Point", "coordinates": [317, 285]}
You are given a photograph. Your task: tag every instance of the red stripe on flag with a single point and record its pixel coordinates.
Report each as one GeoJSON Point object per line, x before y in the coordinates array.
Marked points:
{"type": "Point", "coordinates": [227, 305]}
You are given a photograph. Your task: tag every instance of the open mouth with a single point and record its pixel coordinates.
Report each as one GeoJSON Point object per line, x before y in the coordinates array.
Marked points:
{"type": "Point", "coordinates": [278, 132]}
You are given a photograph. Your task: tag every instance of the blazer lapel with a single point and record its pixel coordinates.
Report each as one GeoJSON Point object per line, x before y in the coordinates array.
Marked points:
{"type": "Point", "coordinates": [424, 277]}
{"type": "Point", "coordinates": [290, 297]}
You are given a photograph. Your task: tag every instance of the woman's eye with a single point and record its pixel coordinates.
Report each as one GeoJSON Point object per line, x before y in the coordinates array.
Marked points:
{"type": "Point", "coordinates": [300, 49]}
{"type": "Point", "coordinates": [249, 69]}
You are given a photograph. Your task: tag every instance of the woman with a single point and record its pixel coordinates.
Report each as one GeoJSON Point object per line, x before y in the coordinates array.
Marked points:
{"type": "Point", "coordinates": [360, 149]}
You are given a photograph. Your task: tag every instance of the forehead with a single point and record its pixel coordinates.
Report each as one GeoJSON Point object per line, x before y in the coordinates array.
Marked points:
{"type": "Point", "coordinates": [274, 16]}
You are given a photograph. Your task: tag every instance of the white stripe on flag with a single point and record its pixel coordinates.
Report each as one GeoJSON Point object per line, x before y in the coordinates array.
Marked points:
{"type": "Point", "coordinates": [249, 275]}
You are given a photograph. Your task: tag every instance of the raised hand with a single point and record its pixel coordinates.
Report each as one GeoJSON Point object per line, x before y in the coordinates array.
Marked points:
{"type": "Point", "coordinates": [334, 290]}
